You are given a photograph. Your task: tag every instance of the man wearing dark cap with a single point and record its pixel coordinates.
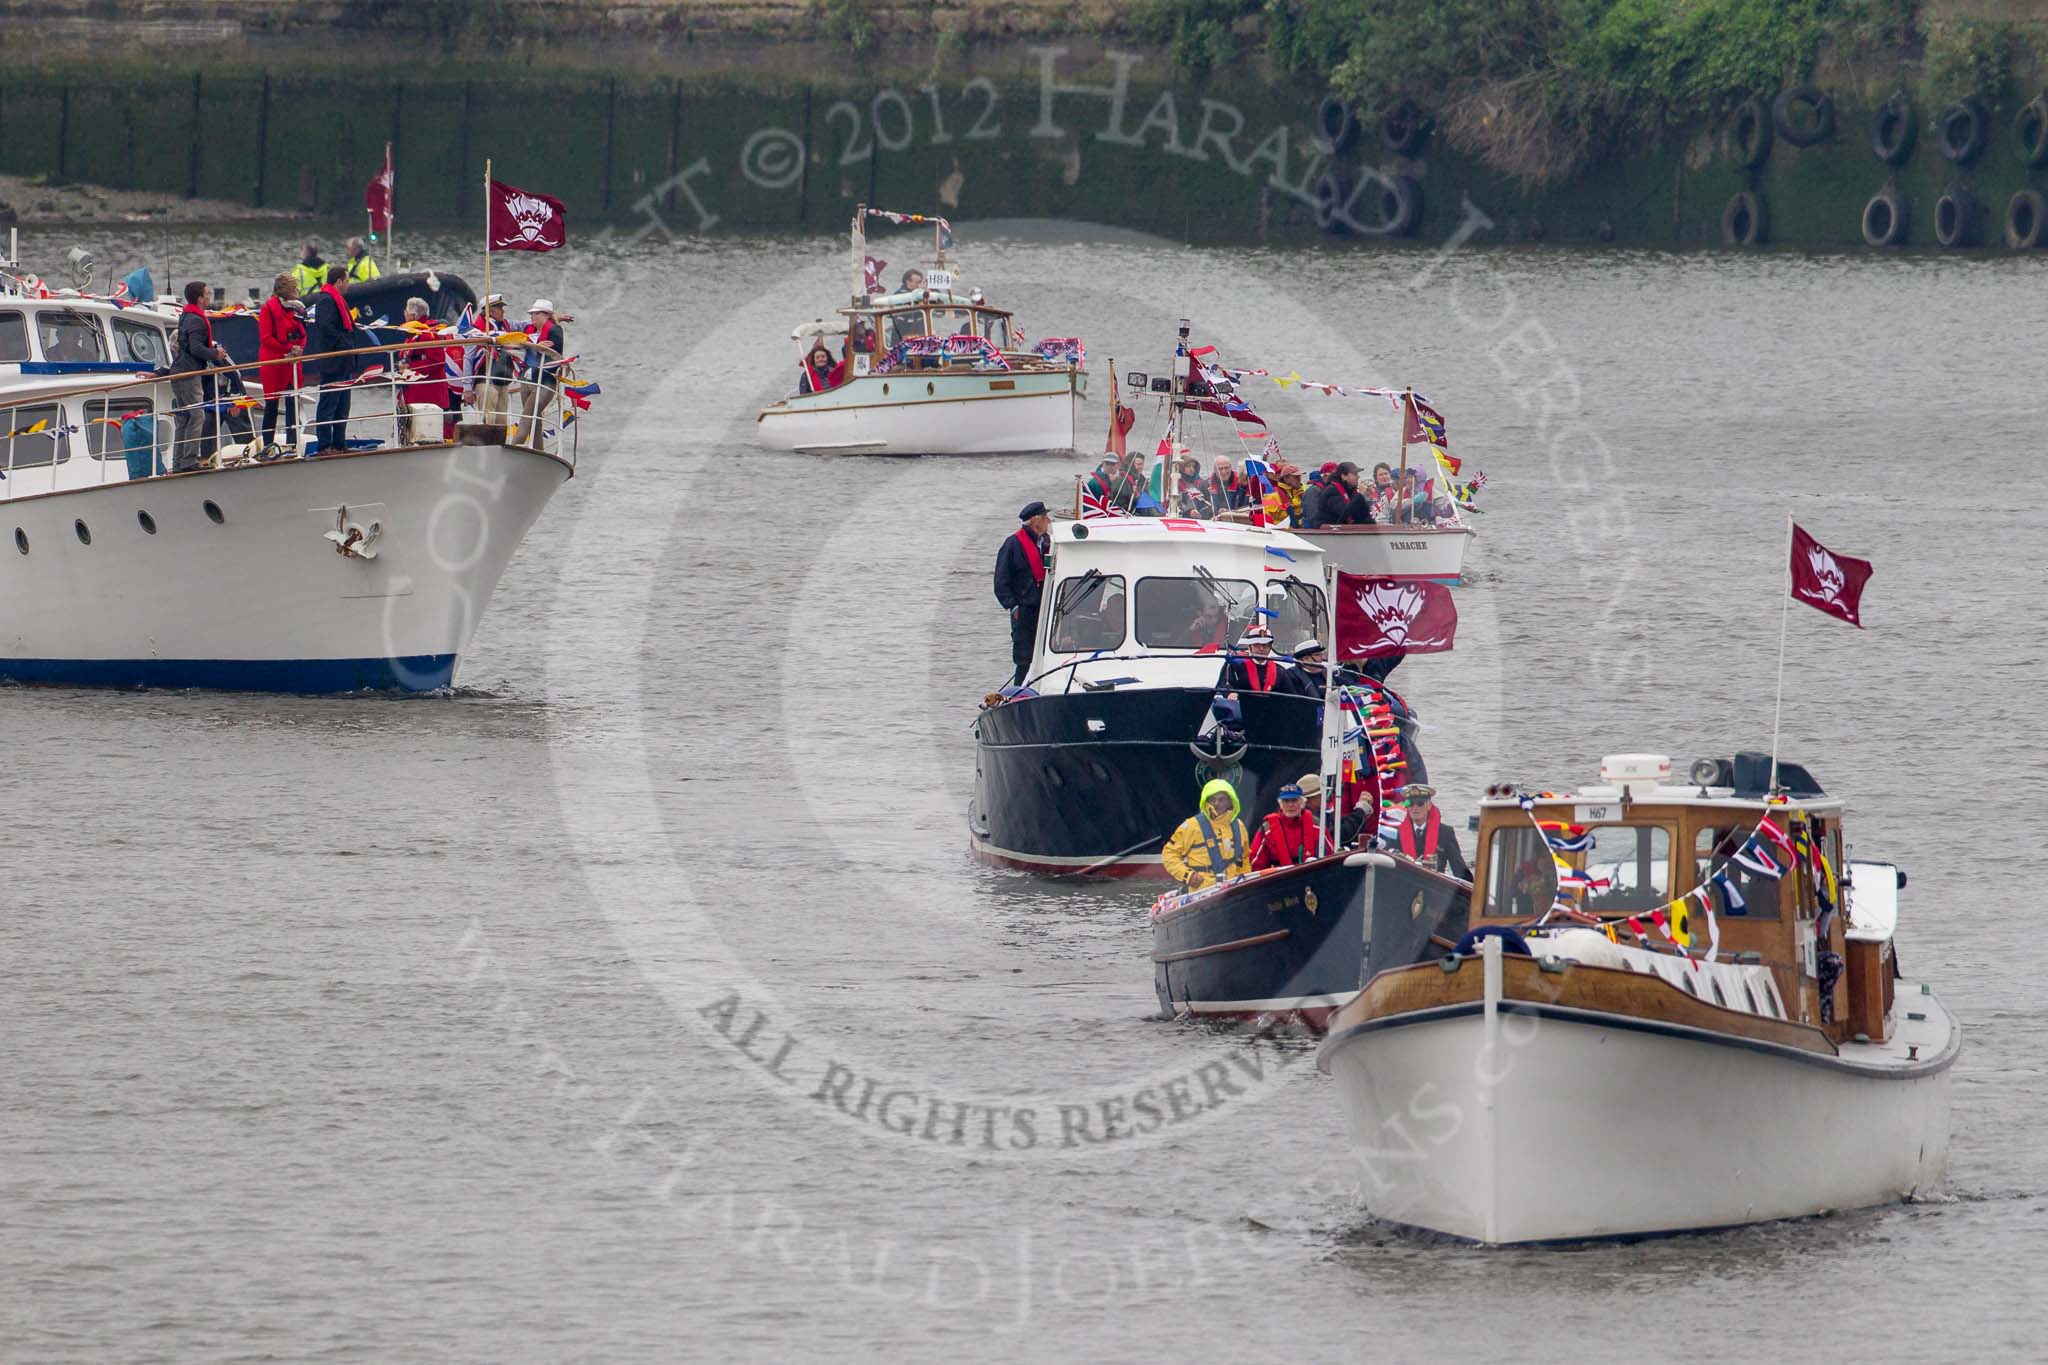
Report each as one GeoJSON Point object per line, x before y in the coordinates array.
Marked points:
{"type": "Point", "coordinates": [1424, 836]}
{"type": "Point", "coordinates": [1020, 582]}
{"type": "Point", "coordinates": [1337, 501]}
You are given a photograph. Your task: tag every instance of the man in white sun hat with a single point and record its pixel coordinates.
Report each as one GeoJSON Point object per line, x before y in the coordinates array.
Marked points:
{"type": "Point", "coordinates": [543, 377]}
{"type": "Point", "coordinates": [1255, 670]}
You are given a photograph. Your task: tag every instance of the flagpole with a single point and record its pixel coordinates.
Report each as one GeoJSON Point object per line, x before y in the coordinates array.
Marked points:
{"type": "Point", "coordinates": [487, 236]}
{"type": "Point", "coordinates": [1784, 615]}
{"type": "Point", "coordinates": [1401, 480]}
{"type": "Point", "coordinates": [1333, 800]}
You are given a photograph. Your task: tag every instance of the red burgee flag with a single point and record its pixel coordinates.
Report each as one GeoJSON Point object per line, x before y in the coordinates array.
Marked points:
{"type": "Point", "coordinates": [1381, 616]}
{"type": "Point", "coordinates": [1827, 581]}
{"type": "Point", "coordinates": [871, 268]}
{"type": "Point", "coordinates": [1425, 425]}
{"type": "Point", "coordinates": [524, 221]}
{"type": "Point", "coordinates": [1121, 420]}
{"type": "Point", "coordinates": [380, 195]}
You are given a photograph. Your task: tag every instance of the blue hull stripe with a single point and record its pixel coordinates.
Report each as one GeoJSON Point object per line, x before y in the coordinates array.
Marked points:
{"type": "Point", "coordinates": [413, 673]}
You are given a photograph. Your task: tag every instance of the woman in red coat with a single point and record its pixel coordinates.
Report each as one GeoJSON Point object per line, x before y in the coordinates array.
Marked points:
{"type": "Point", "coordinates": [280, 335]}
{"type": "Point", "coordinates": [430, 368]}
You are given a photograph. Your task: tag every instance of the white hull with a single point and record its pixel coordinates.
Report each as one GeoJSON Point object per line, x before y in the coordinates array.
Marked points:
{"type": "Point", "coordinates": [261, 599]}
{"type": "Point", "coordinates": [1521, 1127]}
{"type": "Point", "coordinates": [962, 415]}
{"type": "Point", "coordinates": [1436, 554]}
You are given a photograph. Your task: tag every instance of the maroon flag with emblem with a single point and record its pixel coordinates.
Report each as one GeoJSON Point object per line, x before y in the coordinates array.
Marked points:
{"type": "Point", "coordinates": [379, 196]}
{"type": "Point", "coordinates": [1827, 581]}
{"type": "Point", "coordinates": [1381, 616]}
{"type": "Point", "coordinates": [524, 221]}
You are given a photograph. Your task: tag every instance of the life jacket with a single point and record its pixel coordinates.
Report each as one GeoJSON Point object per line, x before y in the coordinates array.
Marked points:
{"type": "Point", "coordinates": [1251, 673]}
{"type": "Point", "coordinates": [820, 381]}
{"type": "Point", "coordinates": [362, 269]}
{"type": "Point", "coordinates": [1307, 835]}
{"type": "Point", "coordinates": [309, 275]}
{"type": "Point", "coordinates": [1032, 554]}
{"type": "Point", "coordinates": [1213, 841]}
{"type": "Point", "coordinates": [1428, 837]}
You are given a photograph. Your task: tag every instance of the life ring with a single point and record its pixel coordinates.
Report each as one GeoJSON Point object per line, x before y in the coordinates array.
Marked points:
{"type": "Point", "coordinates": [1404, 128]}
{"type": "Point", "coordinates": [1812, 130]}
{"type": "Point", "coordinates": [1956, 218]}
{"type": "Point", "coordinates": [1892, 130]}
{"type": "Point", "coordinates": [2030, 131]}
{"type": "Point", "coordinates": [1336, 126]}
{"type": "Point", "coordinates": [1750, 135]}
{"type": "Point", "coordinates": [1400, 205]}
{"type": "Point", "coordinates": [1884, 218]}
{"type": "Point", "coordinates": [1742, 221]}
{"type": "Point", "coordinates": [1963, 131]}
{"type": "Point", "coordinates": [1333, 194]}
{"type": "Point", "coordinates": [2026, 218]}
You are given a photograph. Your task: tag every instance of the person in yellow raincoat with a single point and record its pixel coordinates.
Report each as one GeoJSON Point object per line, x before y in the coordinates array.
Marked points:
{"type": "Point", "coordinates": [1212, 838]}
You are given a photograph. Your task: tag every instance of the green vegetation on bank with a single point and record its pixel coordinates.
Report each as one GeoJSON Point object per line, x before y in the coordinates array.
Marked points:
{"type": "Point", "coordinates": [1538, 88]}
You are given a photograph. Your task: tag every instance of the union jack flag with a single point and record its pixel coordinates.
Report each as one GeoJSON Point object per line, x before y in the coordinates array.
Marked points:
{"type": "Point", "coordinates": [1093, 505]}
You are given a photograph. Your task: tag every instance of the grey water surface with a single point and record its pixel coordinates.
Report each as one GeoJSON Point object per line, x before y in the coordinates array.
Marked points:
{"type": "Point", "coordinates": [641, 1000]}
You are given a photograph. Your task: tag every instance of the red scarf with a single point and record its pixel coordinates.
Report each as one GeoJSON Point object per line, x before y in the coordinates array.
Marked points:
{"type": "Point", "coordinates": [1032, 553]}
{"type": "Point", "coordinates": [200, 313]}
{"type": "Point", "coordinates": [1428, 837]}
{"type": "Point", "coordinates": [348, 321]}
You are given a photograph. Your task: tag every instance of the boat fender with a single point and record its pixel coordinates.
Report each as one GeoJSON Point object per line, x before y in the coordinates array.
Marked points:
{"type": "Point", "coordinates": [1807, 130]}
{"type": "Point", "coordinates": [1892, 130]}
{"type": "Point", "coordinates": [1963, 131]}
{"type": "Point", "coordinates": [1956, 217]}
{"type": "Point", "coordinates": [1333, 198]}
{"type": "Point", "coordinates": [1750, 135]}
{"type": "Point", "coordinates": [1742, 222]}
{"type": "Point", "coordinates": [2024, 216]}
{"type": "Point", "coordinates": [1510, 940]}
{"type": "Point", "coordinates": [1404, 129]}
{"type": "Point", "coordinates": [1884, 218]}
{"type": "Point", "coordinates": [1400, 205]}
{"type": "Point", "coordinates": [2030, 131]}
{"type": "Point", "coordinates": [1336, 126]}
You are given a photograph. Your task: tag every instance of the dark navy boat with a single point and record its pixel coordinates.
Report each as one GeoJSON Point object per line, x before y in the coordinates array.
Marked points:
{"type": "Point", "coordinates": [1294, 944]}
{"type": "Point", "coordinates": [384, 297]}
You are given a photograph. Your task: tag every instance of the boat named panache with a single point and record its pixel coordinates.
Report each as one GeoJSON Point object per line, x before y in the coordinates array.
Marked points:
{"type": "Point", "coordinates": [1679, 1007]}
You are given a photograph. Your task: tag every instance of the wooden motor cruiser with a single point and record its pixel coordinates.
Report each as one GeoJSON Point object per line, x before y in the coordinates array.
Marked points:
{"type": "Point", "coordinates": [1645, 1031]}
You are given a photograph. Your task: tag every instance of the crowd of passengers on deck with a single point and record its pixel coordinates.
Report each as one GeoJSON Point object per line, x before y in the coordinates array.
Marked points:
{"type": "Point", "coordinates": [1336, 494]}
{"type": "Point", "coordinates": [913, 310]}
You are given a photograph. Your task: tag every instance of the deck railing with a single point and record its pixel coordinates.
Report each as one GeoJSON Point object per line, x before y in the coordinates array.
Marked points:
{"type": "Point", "coordinates": [522, 412]}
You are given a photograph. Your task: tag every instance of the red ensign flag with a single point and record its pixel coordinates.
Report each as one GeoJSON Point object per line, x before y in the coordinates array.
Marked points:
{"type": "Point", "coordinates": [1827, 581]}
{"type": "Point", "coordinates": [380, 196]}
{"type": "Point", "coordinates": [1380, 616]}
{"type": "Point", "coordinates": [524, 221]}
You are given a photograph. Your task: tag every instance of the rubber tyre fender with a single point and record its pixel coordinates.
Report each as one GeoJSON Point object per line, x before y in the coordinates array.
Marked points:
{"type": "Point", "coordinates": [2030, 131]}
{"type": "Point", "coordinates": [1742, 221]}
{"type": "Point", "coordinates": [1796, 133]}
{"type": "Point", "coordinates": [1884, 218]}
{"type": "Point", "coordinates": [1333, 193]}
{"type": "Point", "coordinates": [1400, 200]}
{"type": "Point", "coordinates": [1403, 129]}
{"type": "Point", "coordinates": [1750, 134]}
{"type": "Point", "coordinates": [1957, 218]}
{"type": "Point", "coordinates": [1336, 126]}
{"type": "Point", "coordinates": [1893, 129]}
{"type": "Point", "coordinates": [1963, 131]}
{"type": "Point", "coordinates": [2026, 220]}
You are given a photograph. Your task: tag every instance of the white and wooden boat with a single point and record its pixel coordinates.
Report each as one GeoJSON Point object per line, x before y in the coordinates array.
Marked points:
{"type": "Point", "coordinates": [1435, 552]}
{"type": "Point", "coordinates": [367, 569]}
{"type": "Point", "coordinates": [1550, 1082]}
{"type": "Point", "coordinates": [934, 370]}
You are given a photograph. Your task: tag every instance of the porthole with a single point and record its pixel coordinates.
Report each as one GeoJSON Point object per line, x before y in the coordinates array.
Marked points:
{"type": "Point", "coordinates": [885, 390]}
{"type": "Point", "coordinates": [213, 513]}
{"type": "Point", "coordinates": [1690, 989]}
{"type": "Point", "coordinates": [79, 529]}
{"type": "Point", "coordinates": [930, 388]}
{"type": "Point", "coordinates": [146, 522]}
{"type": "Point", "coordinates": [21, 540]}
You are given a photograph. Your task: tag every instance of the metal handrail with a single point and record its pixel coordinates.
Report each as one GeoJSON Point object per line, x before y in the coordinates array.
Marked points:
{"type": "Point", "coordinates": [151, 377]}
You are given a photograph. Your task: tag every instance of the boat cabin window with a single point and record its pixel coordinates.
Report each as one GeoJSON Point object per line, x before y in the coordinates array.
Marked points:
{"type": "Point", "coordinates": [951, 322]}
{"type": "Point", "coordinates": [863, 333]}
{"type": "Point", "coordinates": [13, 338]}
{"type": "Point", "coordinates": [1634, 861]}
{"type": "Point", "coordinates": [1715, 846]}
{"type": "Point", "coordinates": [1301, 613]}
{"type": "Point", "coordinates": [1188, 613]}
{"type": "Point", "coordinates": [140, 342]}
{"type": "Point", "coordinates": [104, 439]}
{"type": "Point", "coordinates": [905, 324]}
{"type": "Point", "coordinates": [996, 328]}
{"type": "Point", "coordinates": [1521, 879]}
{"type": "Point", "coordinates": [1088, 615]}
{"type": "Point", "coordinates": [68, 336]}
{"type": "Point", "coordinates": [24, 448]}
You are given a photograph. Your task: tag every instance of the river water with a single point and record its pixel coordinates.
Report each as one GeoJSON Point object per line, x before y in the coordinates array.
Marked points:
{"type": "Point", "coordinates": [641, 999]}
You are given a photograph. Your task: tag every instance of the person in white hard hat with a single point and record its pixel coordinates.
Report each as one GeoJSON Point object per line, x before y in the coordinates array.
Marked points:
{"type": "Point", "coordinates": [543, 377]}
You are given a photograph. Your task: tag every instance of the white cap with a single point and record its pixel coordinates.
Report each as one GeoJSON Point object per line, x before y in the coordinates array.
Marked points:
{"type": "Point", "coordinates": [541, 306]}
{"type": "Point", "coordinates": [1255, 635]}
{"type": "Point", "coordinates": [494, 300]}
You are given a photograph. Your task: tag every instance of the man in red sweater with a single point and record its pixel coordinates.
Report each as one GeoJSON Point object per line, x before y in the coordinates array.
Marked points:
{"type": "Point", "coordinates": [1289, 836]}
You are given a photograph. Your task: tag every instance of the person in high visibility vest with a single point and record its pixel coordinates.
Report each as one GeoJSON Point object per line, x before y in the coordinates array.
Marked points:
{"type": "Point", "coordinates": [1425, 838]}
{"type": "Point", "coordinates": [311, 271]}
{"type": "Point", "coordinates": [361, 269]}
{"type": "Point", "coordinates": [1209, 844]}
